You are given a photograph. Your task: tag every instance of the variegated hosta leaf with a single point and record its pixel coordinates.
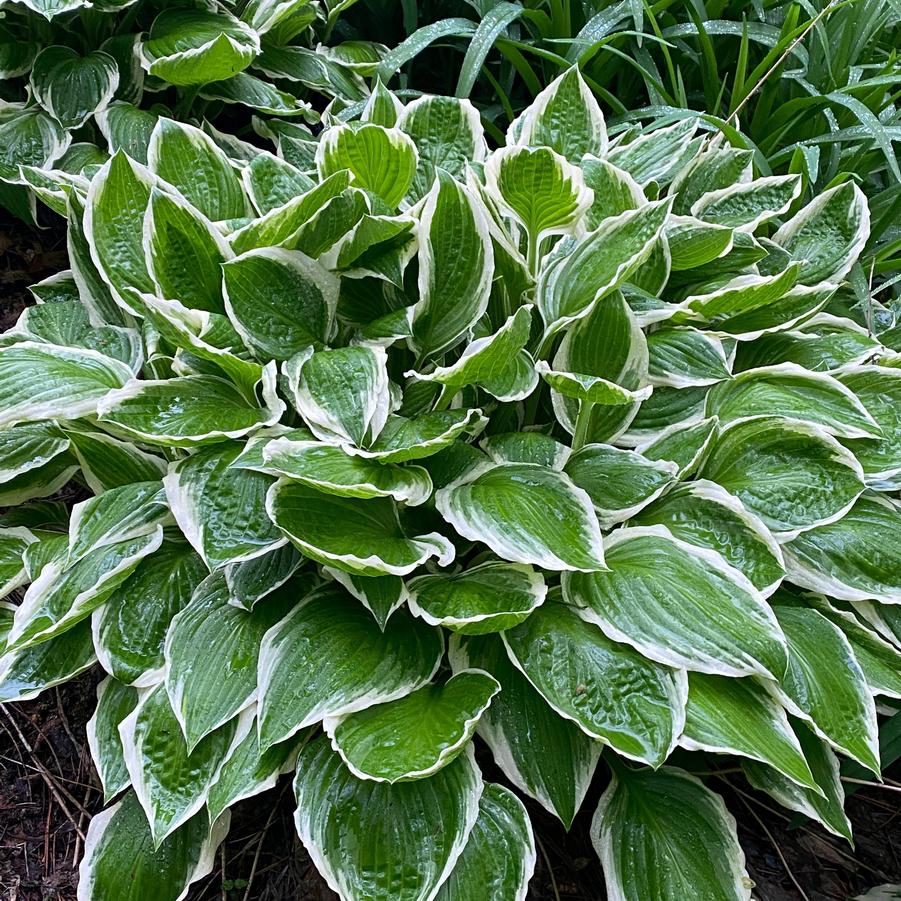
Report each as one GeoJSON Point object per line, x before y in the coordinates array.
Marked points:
{"type": "Point", "coordinates": [663, 835]}
{"type": "Point", "coordinates": [828, 234]}
{"type": "Point", "coordinates": [680, 605]}
{"type": "Point", "coordinates": [372, 839]}
{"type": "Point", "coordinates": [130, 627]}
{"type": "Point", "coordinates": [741, 716]}
{"type": "Point", "coordinates": [416, 736]}
{"type": "Point", "coordinates": [704, 514]}
{"type": "Point", "coordinates": [746, 205]}
{"type": "Point", "coordinates": [329, 657]}
{"type": "Point", "coordinates": [609, 690]}
{"type": "Point", "coordinates": [13, 542]}
{"type": "Point", "coordinates": [212, 649]}
{"type": "Point", "coordinates": [382, 160]}
{"type": "Point", "coordinates": [189, 159]}
{"type": "Point", "coordinates": [572, 285]}
{"type": "Point", "coordinates": [280, 301]}
{"type": "Point", "coordinates": [71, 87]}
{"type": "Point", "coordinates": [855, 558]}
{"type": "Point", "coordinates": [40, 381]}
{"type": "Point", "coordinates": [827, 805]}
{"type": "Point", "coordinates": [456, 266]}
{"type": "Point", "coordinates": [548, 757]}
{"type": "Point", "coordinates": [615, 191]}
{"type": "Point", "coordinates": [115, 701]}
{"type": "Point", "coordinates": [619, 482]}
{"type": "Point", "coordinates": [252, 580]}
{"type": "Point", "coordinates": [499, 857]}
{"type": "Point", "coordinates": [189, 411]}
{"type": "Point", "coordinates": [684, 445]}
{"type": "Point", "coordinates": [566, 117]}
{"type": "Point", "coordinates": [793, 392]}
{"type": "Point", "coordinates": [172, 782]}
{"type": "Point", "coordinates": [498, 363]}
{"type": "Point", "coordinates": [221, 509]}
{"type": "Point", "coordinates": [526, 513]}
{"type": "Point", "coordinates": [197, 46]}
{"type": "Point", "coordinates": [685, 357]}
{"type": "Point", "coordinates": [825, 685]}
{"type": "Point", "coordinates": [491, 597]}
{"type": "Point", "coordinates": [63, 595]}
{"type": "Point", "coordinates": [658, 154]}
{"type": "Point", "coordinates": [590, 389]}
{"type": "Point", "coordinates": [343, 394]}
{"type": "Point", "coordinates": [365, 537]}
{"type": "Point", "coordinates": [107, 462]}
{"type": "Point", "coordinates": [380, 595]}
{"type": "Point", "coordinates": [122, 862]}
{"type": "Point", "coordinates": [793, 475]}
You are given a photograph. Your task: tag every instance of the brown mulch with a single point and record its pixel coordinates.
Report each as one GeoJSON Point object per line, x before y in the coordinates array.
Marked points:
{"type": "Point", "coordinates": [49, 791]}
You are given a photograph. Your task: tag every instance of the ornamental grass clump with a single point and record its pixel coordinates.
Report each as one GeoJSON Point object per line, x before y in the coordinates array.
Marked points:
{"type": "Point", "coordinates": [569, 447]}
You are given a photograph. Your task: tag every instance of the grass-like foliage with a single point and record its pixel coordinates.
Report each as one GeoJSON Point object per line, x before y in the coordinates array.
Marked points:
{"type": "Point", "coordinates": [584, 446]}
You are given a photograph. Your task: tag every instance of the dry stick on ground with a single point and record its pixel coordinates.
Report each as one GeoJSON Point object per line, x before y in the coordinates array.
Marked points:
{"type": "Point", "coordinates": [550, 869]}
{"type": "Point", "coordinates": [256, 855]}
{"type": "Point", "coordinates": [55, 790]}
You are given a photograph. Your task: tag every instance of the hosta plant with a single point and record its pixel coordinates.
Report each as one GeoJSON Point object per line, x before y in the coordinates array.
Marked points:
{"type": "Point", "coordinates": [567, 449]}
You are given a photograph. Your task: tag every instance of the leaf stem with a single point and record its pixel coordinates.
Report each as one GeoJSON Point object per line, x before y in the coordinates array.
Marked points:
{"type": "Point", "coordinates": [583, 423]}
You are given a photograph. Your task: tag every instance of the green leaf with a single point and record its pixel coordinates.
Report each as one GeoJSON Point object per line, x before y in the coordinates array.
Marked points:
{"type": "Point", "coordinates": [714, 168]}
{"type": "Point", "coordinates": [260, 95]}
{"type": "Point", "coordinates": [329, 469]}
{"type": "Point", "coordinates": [13, 542]}
{"type": "Point", "coordinates": [197, 46]}
{"type": "Point", "coordinates": [280, 301]}
{"type": "Point", "coordinates": [747, 205]}
{"type": "Point", "coordinates": [507, 507]}
{"type": "Point", "coordinates": [415, 736]}
{"type": "Point", "coordinates": [127, 128]}
{"type": "Point", "coordinates": [122, 863]}
{"type": "Point", "coordinates": [526, 447]}
{"type": "Point", "coordinates": [691, 243]}
{"type": "Point", "coordinates": [545, 756]}
{"type": "Point", "coordinates": [490, 597]}
{"type": "Point", "coordinates": [572, 284]}
{"type": "Point", "coordinates": [615, 191]}
{"type": "Point", "coordinates": [114, 225]}
{"type": "Point", "coordinates": [543, 193]}
{"type": "Point", "coordinates": [664, 835]}
{"type": "Point", "coordinates": [212, 649]}
{"type": "Point", "coordinates": [456, 266]}
{"type": "Point", "coordinates": [220, 509]}
{"type": "Point", "coordinates": [380, 595]}
{"type": "Point", "coordinates": [359, 536]}
{"type": "Point", "coordinates": [371, 839]}
{"type": "Point", "coordinates": [188, 411]}
{"type": "Point", "coordinates": [685, 357]}
{"type": "Point", "coordinates": [499, 857]}
{"type": "Point", "coordinates": [741, 716]}
{"type": "Point", "coordinates": [28, 137]}
{"type": "Point", "coordinates": [566, 117]}
{"type": "Point", "coordinates": [826, 806]}
{"type": "Point", "coordinates": [172, 782]}
{"type": "Point", "coordinates": [329, 657]}
{"type": "Point", "coordinates": [609, 690]}
{"type": "Point", "coordinates": [619, 482]}
{"type": "Point", "coordinates": [29, 446]}
{"type": "Point", "coordinates": [382, 160]}
{"type": "Point", "coordinates": [252, 580]}
{"type": "Point", "coordinates": [107, 462]}
{"type": "Point", "coordinates": [855, 558]}
{"type": "Point", "coordinates": [42, 381]}
{"type": "Point", "coordinates": [680, 605]}
{"type": "Point", "coordinates": [114, 702]}
{"type": "Point", "coordinates": [130, 628]}
{"type": "Point", "coordinates": [684, 445]}
{"type": "Point", "coordinates": [71, 87]}
{"type": "Point", "coordinates": [793, 392]}
{"type": "Point", "coordinates": [498, 363]}
{"type": "Point", "coordinates": [271, 182]}
{"type": "Point", "coordinates": [825, 685]}
{"type": "Point", "coordinates": [793, 475]}
{"type": "Point", "coordinates": [704, 514]}
{"type": "Point", "coordinates": [828, 234]}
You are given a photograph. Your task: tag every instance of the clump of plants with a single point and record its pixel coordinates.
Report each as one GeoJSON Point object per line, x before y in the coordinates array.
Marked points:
{"type": "Point", "coordinates": [570, 447]}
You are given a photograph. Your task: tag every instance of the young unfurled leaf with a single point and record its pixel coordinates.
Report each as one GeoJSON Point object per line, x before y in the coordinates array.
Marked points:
{"type": "Point", "coordinates": [527, 514]}
{"type": "Point", "coordinates": [548, 757]}
{"type": "Point", "coordinates": [329, 657]}
{"type": "Point", "coordinates": [664, 835]}
{"type": "Point", "coordinates": [680, 605]}
{"type": "Point", "coordinates": [415, 736]}
{"type": "Point", "coordinates": [609, 690]}
{"type": "Point", "coordinates": [491, 597]}
{"type": "Point", "coordinates": [382, 160]}
{"type": "Point", "coordinates": [378, 840]}
{"type": "Point", "coordinates": [456, 266]}
{"type": "Point", "coordinates": [71, 87]}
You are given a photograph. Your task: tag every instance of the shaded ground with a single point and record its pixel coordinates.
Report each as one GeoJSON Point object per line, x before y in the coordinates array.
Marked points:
{"type": "Point", "coordinates": [49, 791]}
